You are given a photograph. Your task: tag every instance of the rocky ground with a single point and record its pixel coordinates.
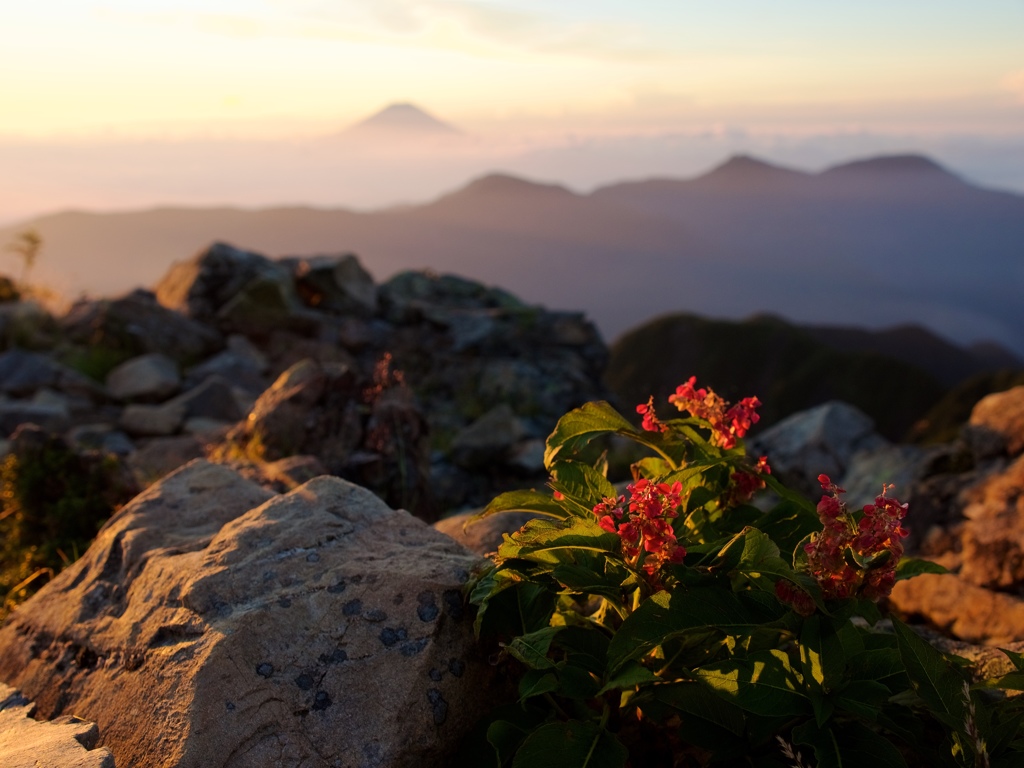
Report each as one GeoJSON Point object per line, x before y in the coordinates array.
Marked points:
{"type": "Point", "coordinates": [260, 422]}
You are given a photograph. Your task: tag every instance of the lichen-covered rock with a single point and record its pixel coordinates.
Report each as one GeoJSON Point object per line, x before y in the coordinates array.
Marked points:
{"type": "Point", "coordinates": [217, 625]}
{"type": "Point", "coordinates": [67, 742]}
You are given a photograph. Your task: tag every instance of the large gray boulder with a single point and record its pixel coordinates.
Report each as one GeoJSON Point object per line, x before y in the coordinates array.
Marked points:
{"type": "Point", "coordinates": [821, 440]}
{"type": "Point", "coordinates": [215, 624]}
{"type": "Point", "coordinates": [66, 742]}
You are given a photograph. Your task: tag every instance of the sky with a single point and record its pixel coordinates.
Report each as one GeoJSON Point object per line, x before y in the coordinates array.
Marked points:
{"type": "Point", "coordinates": [619, 78]}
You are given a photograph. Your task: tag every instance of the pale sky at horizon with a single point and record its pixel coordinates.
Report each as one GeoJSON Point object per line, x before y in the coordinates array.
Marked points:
{"type": "Point", "coordinates": [165, 68]}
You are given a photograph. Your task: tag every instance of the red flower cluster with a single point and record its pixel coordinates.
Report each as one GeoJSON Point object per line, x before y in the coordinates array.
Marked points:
{"type": "Point", "coordinates": [876, 541]}
{"type": "Point", "coordinates": [644, 522]}
{"type": "Point", "coordinates": [728, 423]}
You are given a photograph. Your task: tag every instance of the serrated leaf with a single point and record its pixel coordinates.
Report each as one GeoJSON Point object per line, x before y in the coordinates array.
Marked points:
{"type": "Point", "coordinates": [580, 426]}
{"type": "Point", "coordinates": [909, 567]}
{"type": "Point", "coordinates": [708, 720]}
{"type": "Point", "coordinates": [532, 648]}
{"type": "Point", "coordinates": [630, 675]}
{"type": "Point", "coordinates": [763, 683]}
{"type": "Point", "coordinates": [582, 484]}
{"type": "Point", "coordinates": [575, 744]}
{"type": "Point", "coordinates": [665, 615]}
{"type": "Point", "coordinates": [553, 541]}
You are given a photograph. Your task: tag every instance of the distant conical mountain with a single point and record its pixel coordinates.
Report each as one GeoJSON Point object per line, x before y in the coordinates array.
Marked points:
{"type": "Point", "coordinates": [401, 120]}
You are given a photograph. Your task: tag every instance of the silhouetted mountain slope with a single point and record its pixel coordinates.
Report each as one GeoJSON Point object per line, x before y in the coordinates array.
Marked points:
{"type": "Point", "coordinates": [945, 362]}
{"type": "Point", "coordinates": [877, 243]}
{"type": "Point", "coordinates": [784, 365]}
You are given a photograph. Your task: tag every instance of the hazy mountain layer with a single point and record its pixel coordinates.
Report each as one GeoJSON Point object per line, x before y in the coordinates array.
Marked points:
{"type": "Point", "coordinates": [874, 243]}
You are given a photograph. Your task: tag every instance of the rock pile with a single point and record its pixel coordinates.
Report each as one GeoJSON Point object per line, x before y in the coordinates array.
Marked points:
{"type": "Point", "coordinates": [435, 391]}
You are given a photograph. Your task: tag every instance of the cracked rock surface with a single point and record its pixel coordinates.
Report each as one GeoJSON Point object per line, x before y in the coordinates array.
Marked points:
{"type": "Point", "coordinates": [214, 623]}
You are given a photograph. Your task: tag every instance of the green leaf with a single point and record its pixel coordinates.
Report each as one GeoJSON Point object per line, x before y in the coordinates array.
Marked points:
{"type": "Point", "coordinates": [763, 683]}
{"type": "Point", "coordinates": [909, 567]}
{"type": "Point", "coordinates": [580, 426]}
{"type": "Point", "coordinates": [931, 676]}
{"type": "Point", "coordinates": [883, 665]}
{"type": "Point", "coordinates": [520, 501]}
{"type": "Point", "coordinates": [532, 648]}
{"type": "Point", "coordinates": [574, 744]}
{"type": "Point", "coordinates": [665, 615]}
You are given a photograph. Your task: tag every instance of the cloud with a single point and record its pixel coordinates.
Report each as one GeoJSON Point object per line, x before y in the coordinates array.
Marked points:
{"type": "Point", "coordinates": [492, 29]}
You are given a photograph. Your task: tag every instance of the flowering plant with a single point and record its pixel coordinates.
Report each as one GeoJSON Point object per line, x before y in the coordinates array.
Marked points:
{"type": "Point", "coordinates": [660, 624]}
